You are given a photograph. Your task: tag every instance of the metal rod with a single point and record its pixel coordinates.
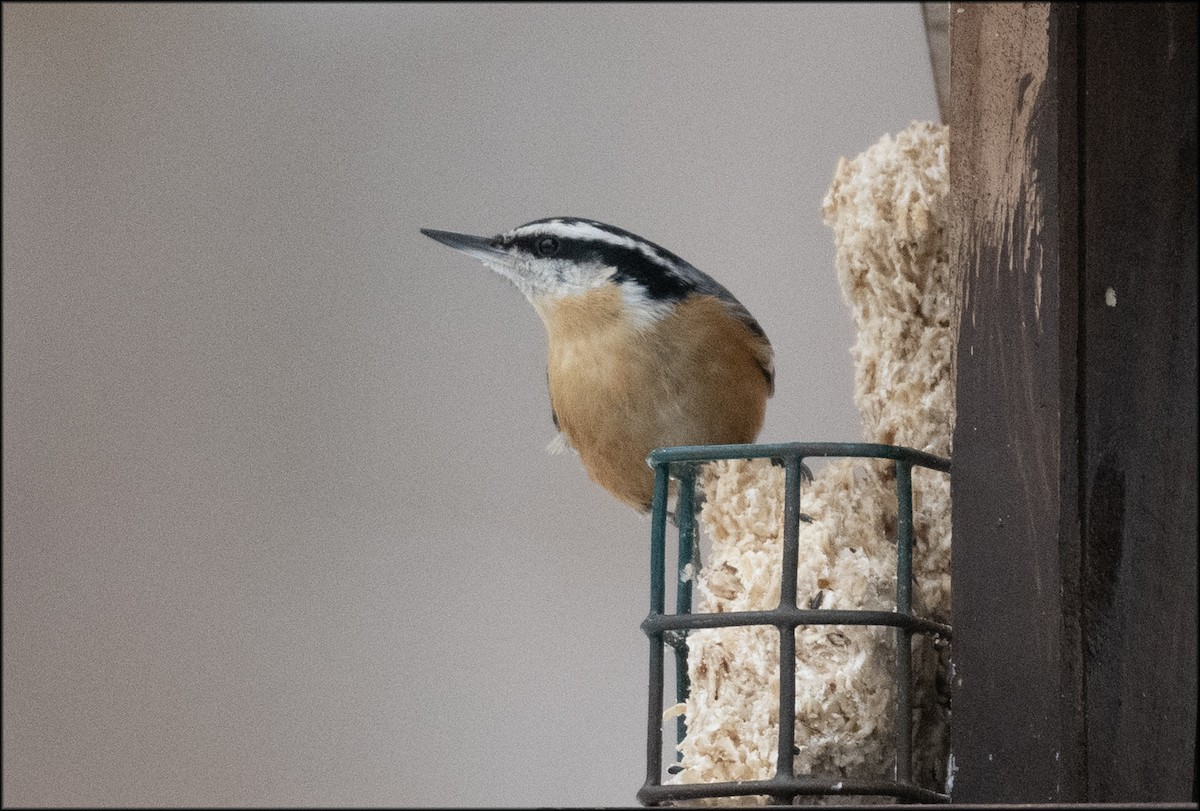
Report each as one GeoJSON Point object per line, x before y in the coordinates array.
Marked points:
{"type": "Point", "coordinates": [904, 537]}
{"type": "Point", "coordinates": [785, 760]}
{"type": "Point", "coordinates": [658, 541]}
{"type": "Point", "coordinates": [685, 516]}
{"type": "Point", "coordinates": [780, 617]}
{"type": "Point", "coordinates": [904, 542]}
{"type": "Point", "coordinates": [658, 537]}
{"type": "Point", "coordinates": [790, 787]}
{"type": "Point", "coordinates": [903, 705]}
{"type": "Point", "coordinates": [791, 532]}
{"type": "Point", "coordinates": [785, 450]}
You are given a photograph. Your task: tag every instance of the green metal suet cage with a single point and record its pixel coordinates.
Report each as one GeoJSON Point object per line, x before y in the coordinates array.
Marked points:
{"type": "Point", "coordinates": [671, 630]}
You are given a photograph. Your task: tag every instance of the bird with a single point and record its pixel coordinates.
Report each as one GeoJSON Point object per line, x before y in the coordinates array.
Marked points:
{"type": "Point", "coordinates": [643, 350]}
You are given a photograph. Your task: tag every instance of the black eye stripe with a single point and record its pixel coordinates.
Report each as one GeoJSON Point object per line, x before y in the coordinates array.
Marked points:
{"type": "Point", "coordinates": [631, 264]}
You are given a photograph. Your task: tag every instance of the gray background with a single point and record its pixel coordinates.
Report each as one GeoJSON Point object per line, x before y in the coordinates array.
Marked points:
{"type": "Point", "coordinates": [279, 526]}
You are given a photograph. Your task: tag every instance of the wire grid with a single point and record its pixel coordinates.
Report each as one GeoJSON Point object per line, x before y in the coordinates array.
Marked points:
{"type": "Point", "coordinates": [671, 629]}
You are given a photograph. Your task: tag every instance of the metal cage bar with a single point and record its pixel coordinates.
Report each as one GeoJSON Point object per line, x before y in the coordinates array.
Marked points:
{"type": "Point", "coordinates": [685, 511]}
{"type": "Point", "coordinates": [672, 629]}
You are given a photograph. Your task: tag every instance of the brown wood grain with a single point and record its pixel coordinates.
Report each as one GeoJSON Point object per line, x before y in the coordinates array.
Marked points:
{"type": "Point", "coordinates": [1138, 412]}
{"type": "Point", "coordinates": [1073, 165]}
{"type": "Point", "coordinates": [1017, 689]}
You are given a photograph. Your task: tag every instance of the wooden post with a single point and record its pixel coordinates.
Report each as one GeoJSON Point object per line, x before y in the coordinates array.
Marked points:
{"type": "Point", "coordinates": [1138, 411]}
{"type": "Point", "coordinates": [1073, 144]}
{"type": "Point", "coordinates": [1017, 719]}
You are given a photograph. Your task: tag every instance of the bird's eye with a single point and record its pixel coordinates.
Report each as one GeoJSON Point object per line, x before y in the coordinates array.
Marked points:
{"type": "Point", "coordinates": [547, 246]}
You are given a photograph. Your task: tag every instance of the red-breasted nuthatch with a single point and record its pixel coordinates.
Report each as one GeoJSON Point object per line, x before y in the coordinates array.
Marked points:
{"type": "Point", "coordinates": [645, 351]}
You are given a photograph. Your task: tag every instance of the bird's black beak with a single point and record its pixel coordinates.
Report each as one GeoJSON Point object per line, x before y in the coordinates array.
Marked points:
{"type": "Point", "coordinates": [479, 247]}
